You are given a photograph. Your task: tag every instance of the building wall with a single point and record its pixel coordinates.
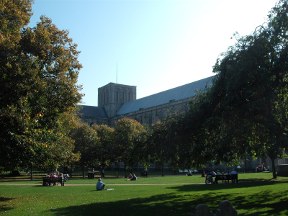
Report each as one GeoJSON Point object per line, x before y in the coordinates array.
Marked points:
{"type": "Point", "coordinates": [112, 96]}
{"type": "Point", "coordinates": [151, 115]}
{"type": "Point", "coordinates": [115, 98]}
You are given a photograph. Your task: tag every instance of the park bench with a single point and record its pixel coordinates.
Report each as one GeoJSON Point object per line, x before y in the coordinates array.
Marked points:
{"type": "Point", "coordinates": [48, 181]}
{"type": "Point", "coordinates": [226, 178]}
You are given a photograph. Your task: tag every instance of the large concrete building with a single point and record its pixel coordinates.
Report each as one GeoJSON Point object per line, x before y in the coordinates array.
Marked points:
{"type": "Point", "coordinates": [116, 101]}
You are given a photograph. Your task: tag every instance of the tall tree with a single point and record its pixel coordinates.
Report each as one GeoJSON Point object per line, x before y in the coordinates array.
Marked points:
{"type": "Point", "coordinates": [163, 143]}
{"type": "Point", "coordinates": [87, 144]}
{"type": "Point", "coordinates": [245, 110]}
{"type": "Point", "coordinates": [39, 70]}
{"type": "Point", "coordinates": [14, 16]}
{"type": "Point", "coordinates": [105, 152]}
{"type": "Point", "coordinates": [252, 86]}
{"type": "Point", "coordinates": [128, 136]}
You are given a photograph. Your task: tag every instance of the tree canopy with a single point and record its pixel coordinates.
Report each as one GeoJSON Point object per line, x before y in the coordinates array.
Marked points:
{"type": "Point", "coordinates": [246, 108]}
{"type": "Point", "coordinates": [129, 138]}
{"type": "Point", "coordinates": [39, 69]}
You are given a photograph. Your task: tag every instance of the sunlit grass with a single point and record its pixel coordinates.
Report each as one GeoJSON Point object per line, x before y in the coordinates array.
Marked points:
{"type": "Point", "coordinates": [256, 194]}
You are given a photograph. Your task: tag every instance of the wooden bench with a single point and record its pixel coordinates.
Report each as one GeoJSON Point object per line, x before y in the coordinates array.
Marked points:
{"type": "Point", "coordinates": [227, 178]}
{"type": "Point", "coordinates": [48, 181]}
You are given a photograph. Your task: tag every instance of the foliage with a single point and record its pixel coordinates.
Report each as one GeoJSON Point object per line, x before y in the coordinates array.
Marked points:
{"type": "Point", "coordinates": [164, 142]}
{"type": "Point", "coordinates": [129, 140]}
{"type": "Point", "coordinates": [159, 143]}
{"type": "Point", "coordinates": [39, 70]}
{"type": "Point", "coordinates": [245, 111]}
{"type": "Point", "coordinates": [253, 78]}
{"type": "Point", "coordinates": [87, 144]}
{"type": "Point", "coordinates": [105, 153]}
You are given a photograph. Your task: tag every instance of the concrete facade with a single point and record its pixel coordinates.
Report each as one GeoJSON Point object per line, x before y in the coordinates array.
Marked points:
{"type": "Point", "coordinates": [116, 101]}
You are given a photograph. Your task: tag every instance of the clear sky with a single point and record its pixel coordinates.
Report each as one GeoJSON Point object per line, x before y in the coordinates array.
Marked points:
{"type": "Point", "coordinates": [152, 44]}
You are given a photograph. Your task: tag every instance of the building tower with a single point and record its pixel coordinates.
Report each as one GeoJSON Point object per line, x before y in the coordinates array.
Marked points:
{"type": "Point", "coordinates": [112, 96]}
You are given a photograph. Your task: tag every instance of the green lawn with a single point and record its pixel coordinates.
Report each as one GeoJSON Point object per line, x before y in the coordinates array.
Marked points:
{"type": "Point", "coordinates": [256, 194]}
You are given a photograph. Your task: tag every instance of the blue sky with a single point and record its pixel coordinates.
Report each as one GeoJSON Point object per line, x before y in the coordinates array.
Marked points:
{"type": "Point", "coordinates": [152, 44]}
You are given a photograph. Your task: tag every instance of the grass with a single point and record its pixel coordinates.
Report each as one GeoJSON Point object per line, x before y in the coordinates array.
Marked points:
{"type": "Point", "coordinates": [256, 194]}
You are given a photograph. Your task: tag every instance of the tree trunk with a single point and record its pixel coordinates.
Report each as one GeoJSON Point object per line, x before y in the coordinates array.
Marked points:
{"type": "Point", "coordinates": [125, 170]}
{"type": "Point", "coordinates": [31, 172]}
{"type": "Point", "coordinates": [83, 171]}
{"type": "Point", "coordinates": [273, 168]}
{"type": "Point", "coordinates": [118, 169]}
{"type": "Point", "coordinates": [245, 162]}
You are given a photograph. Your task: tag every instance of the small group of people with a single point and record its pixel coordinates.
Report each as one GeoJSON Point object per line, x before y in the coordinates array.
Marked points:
{"type": "Point", "coordinates": [261, 168]}
{"type": "Point", "coordinates": [212, 177]}
{"type": "Point", "coordinates": [55, 174]}
{"type": "Point", "coordinates": [132, 177]}
{"type": "Point", "coordinates": [58, 174]}
{"type": "Point", "coordinates": [100, 185]}
{"type": "Point", "coordinates": [54, 178]}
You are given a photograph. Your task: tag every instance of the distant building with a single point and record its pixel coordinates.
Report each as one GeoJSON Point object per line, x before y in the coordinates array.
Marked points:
{"type": "Point", "coordinates": [116, 101]}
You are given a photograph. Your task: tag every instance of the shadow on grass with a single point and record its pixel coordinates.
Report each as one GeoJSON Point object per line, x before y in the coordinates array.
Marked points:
{"type": "Point", "coordinates": [221, 186]}
{"type": "Point", "coordinates": [265, 203]}
{"type": "Point", "coordinates": [166, 204]}
{"type": "Point", "coordinates": [13, 180]}
{"type": "Point", "coordinates": [4, 204]}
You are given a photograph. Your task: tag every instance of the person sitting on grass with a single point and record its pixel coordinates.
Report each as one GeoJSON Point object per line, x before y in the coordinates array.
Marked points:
{"type": "Point", "coordinates": [132, 177]}
{"type": "Point", "coordinates": [100, 184]}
